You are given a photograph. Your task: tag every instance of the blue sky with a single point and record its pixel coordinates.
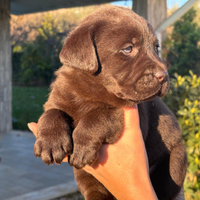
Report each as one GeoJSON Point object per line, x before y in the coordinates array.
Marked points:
{"type": "Point", "coordinates": [170, 3]}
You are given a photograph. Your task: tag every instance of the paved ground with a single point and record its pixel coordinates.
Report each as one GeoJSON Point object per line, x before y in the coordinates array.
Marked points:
{"type": "Point", "coordinates": [21, 172]}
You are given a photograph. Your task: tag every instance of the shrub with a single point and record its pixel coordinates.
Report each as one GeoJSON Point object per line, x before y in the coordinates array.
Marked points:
{"type": "Point", "coordinates": [184, 101]}
{"type": "Point", "coordinates": [35, 61]}
{"type": "Point", "coordinates": [184, 45]}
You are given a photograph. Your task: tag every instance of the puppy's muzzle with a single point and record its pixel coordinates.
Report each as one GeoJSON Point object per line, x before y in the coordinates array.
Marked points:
{"type": "Point", "coordinates": [163, 79]}
{"type": "Point", "coordinates": [161, 76]}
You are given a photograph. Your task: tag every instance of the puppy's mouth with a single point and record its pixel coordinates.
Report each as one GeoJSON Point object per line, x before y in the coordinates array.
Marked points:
{"type": "Point", "coordinates": [160, 92]}
{"type": "Point", "coordinates": [146, 99]}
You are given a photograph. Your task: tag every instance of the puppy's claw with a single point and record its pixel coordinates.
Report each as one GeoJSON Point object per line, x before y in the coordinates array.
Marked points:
{"type": "Point", "coordinates": [82, 157]}
{"type": "Point", "coordinates": [51, 149]}
{"type": "Point", "coordinates": [47, 156]}
{"type": "Point", "coordinates": [67, 147]}
{"type": "Point", "coordinates": [58, 156]}
{"type": "Point", "coordinates": [38, 148]}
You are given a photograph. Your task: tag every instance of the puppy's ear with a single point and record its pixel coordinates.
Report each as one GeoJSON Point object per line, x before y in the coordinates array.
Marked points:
{"type": "Point", "coordinates": [79, 50]}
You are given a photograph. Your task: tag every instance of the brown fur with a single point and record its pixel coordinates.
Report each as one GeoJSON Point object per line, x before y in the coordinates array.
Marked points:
{"type": "Point", "coordinates": [97, 80]}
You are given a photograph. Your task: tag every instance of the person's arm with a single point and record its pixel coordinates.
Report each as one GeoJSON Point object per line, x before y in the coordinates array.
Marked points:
{"type": "Point", "coordinates": [122, 167]}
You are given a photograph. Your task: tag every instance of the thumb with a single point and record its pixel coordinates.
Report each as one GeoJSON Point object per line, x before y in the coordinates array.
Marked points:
{"type": "Point", "coordinates": [33, 127]}
{"type": "Point", "coordinates": [131, 118]}
{"type": "Point", "coordinates": [131, 126]}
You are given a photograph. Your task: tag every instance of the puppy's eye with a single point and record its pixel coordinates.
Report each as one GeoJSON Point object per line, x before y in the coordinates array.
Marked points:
{"type": "Point", "coordinates": [156, 48]}
{"type": "Point", "coordinates": [128, 49]}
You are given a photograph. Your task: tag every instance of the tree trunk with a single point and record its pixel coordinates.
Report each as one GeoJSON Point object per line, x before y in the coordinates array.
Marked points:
{"type": "Point", "coordinates": [155, 11]}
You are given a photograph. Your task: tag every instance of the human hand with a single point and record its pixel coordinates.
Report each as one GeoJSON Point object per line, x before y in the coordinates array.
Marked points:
{"type": "Point", "coordinates": [122, 167]}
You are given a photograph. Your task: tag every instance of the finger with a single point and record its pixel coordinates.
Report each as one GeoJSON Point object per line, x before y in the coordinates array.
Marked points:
{"type": "Point", "coordinates": [132, 123]}
{"type": "Point", "coordinates": [131, 118]}
{"type": "Point", "coordinates": [33, 127]}
{"type": "Point", "coordinates": [65, 159]}
{"type": "Point", "coordinates": [90, 169]}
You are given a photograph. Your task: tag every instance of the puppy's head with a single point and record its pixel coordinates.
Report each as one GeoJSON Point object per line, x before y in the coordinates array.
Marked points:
{"type": "Point", "coordinates": [121, 49]}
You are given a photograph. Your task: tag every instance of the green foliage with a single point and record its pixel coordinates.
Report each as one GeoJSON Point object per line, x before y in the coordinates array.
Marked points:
{"type": "Point", "coordinates": [184, 101]}
{"type": "Point", "coordinates": [184, 45]}
{"type": "Point", "coordinates": [37, 40]}
{"type": "Point", "coordinates": [27, 105]}
{"type": "Point", "coordinates": [39, 58]}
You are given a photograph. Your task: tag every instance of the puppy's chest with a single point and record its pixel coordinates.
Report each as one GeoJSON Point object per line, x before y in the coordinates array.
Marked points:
{"type": "Point", "coordinates": [83, 108]}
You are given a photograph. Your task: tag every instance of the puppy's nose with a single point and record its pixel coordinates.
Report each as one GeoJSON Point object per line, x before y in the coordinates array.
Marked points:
{"type": "Point", "coordinates": [161, 76]}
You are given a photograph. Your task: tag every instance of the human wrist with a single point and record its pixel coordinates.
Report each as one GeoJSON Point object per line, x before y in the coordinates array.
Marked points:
{"type": "Point", "coordinates": [136, 191]}
{"type": "Point", "coordinates": [129, 187]}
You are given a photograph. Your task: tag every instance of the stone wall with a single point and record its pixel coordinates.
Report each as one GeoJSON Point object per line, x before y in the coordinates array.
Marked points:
{"type": "Point", "coordinates": [5, 68]}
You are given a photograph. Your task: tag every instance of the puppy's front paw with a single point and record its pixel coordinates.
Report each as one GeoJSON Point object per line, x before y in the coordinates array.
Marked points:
{"type": "Point", "coordinates": [53, 147]}
{"type": "Point", "coordinates": [83, 155]}
{"type": "Point", "coordinates": [54, 140]}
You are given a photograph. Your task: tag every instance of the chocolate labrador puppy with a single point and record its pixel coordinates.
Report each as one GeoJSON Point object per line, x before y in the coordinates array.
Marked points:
{"type": "Point", "coordinates": [110, 61]}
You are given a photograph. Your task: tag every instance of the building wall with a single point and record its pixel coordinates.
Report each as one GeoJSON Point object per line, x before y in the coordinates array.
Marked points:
{"type": "Point", "coordinates": [5, 68]}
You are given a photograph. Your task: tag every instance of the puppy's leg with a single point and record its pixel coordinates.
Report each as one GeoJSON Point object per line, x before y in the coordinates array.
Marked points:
{"type": "Point", "coordinates": [53, 136]}
{"type": "Point", "coordinates": [97, 127]}
{"type": "Point", "coordinates": [90, 187]}
{"type": "Point", "coordinates": [168, 177]}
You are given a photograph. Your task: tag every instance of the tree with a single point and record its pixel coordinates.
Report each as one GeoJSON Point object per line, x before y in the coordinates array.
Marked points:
{"type": "Point", "coordinates": [37, 40]}
{"type": "Point", "coordinates": [40, 58]}
{"type": "Point", "coordinates": [184, 45]}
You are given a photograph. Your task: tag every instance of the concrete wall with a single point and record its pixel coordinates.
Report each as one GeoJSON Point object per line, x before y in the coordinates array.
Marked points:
{"type": "Point", "coordinates": [5, 68]}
